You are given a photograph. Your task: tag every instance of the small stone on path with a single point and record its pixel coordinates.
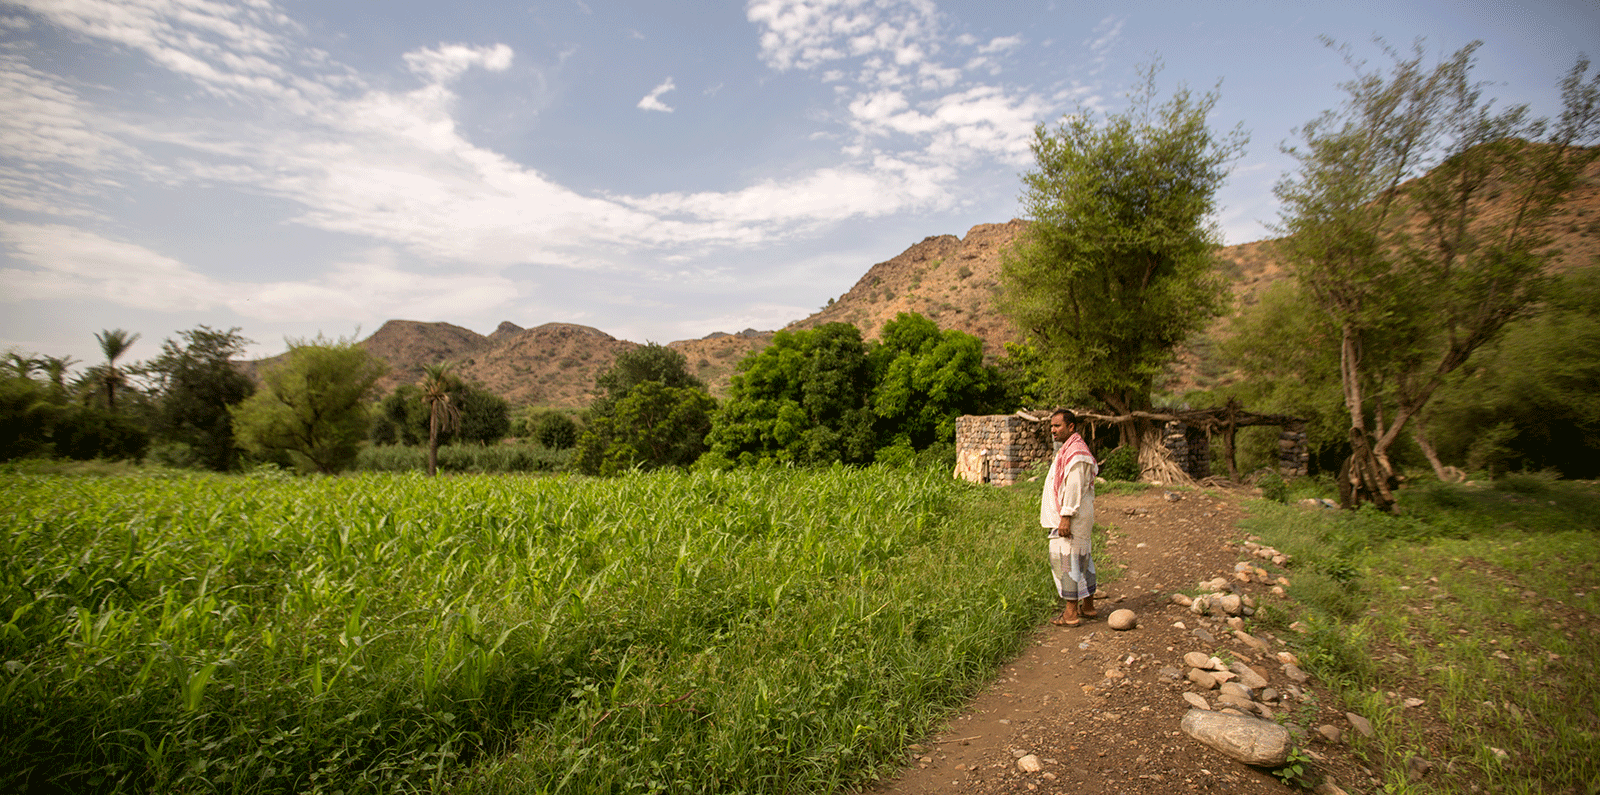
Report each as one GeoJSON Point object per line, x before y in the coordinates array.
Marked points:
{"type": "Point", "coordinates": [1196, 700]}
{"type": "Point", "coordinates": [1248, 676]}
{"type": "Point", "coordinates": [1030, 764]}
{"type": "Point", "coordinates": [1359, 723]}
{"type": "Point", "coordinates": [1123, 619]}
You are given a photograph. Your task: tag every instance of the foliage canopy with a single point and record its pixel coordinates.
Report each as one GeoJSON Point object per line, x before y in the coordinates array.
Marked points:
{"type": "Point", "coordinates": [1414, 279]}
{"type": "Point", "coordinates": [312, 407]}
{"type": "Point", "coordinates": [1117, 266]}
{"type": "Point", "coordinates": [196, 380]}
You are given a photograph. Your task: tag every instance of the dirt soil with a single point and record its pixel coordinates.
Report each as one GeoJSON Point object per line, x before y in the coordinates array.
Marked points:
{"type": "Point", "coordinates": [1101, 708]}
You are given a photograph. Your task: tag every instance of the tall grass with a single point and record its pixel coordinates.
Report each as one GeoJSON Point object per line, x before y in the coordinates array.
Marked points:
{"type": "Point", "coordinates": [765, 631]}
{"type": "Point", "coordinates": [1481, 602]}
{"type": "Point", "coordinates": [473, 458]}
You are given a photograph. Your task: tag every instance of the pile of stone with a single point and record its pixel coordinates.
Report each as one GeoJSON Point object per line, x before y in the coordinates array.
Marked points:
{"type": "Point", "coordinates": [1266, 553]}
{"type": "Point", "coordinates": [1243, 698]}
{"type": "Point", "coordinates": [1216, 602]}
{"type": "Point", "coordinates": [1241, 689]}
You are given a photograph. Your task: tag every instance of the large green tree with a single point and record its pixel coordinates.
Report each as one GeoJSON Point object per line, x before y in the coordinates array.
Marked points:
{"type": "Point", "coordinates": [312, 406]}
{"type": "Point", "coordinates": [196, 379]}
{"type": "Point", "coordinates": [804, 399]}
{"type": "Point", "coordinates": [651, 413]}
{"type": "Point", "coordinates": [1117, 267]}
{"type": "Point", "coordinates": [1416, 277]}
{"type": "Point", "coordinates": [649, 427]}
{"type": "Point", "coordinates": [648, 362]}
{"type": "Point", "coordinates": [925, 379]}
{"type": "Point", "coordinates": [1531, 398]}
{"type": "Point", "coordinates": [36, 418]}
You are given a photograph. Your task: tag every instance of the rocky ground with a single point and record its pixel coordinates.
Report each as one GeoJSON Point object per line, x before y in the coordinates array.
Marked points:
{"type": "Point", "coordinates": [1089, 709]}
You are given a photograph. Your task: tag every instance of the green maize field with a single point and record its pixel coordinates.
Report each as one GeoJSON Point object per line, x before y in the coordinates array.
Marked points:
{"type": "Point", "coordinates": [759, 631]}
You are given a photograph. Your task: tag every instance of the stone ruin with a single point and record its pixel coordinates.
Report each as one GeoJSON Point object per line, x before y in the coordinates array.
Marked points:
{"type": "Point", "coordinates": [999, 449]}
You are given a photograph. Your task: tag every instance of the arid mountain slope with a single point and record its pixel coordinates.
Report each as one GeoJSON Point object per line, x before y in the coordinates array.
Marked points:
{"type": "Point", "coordinates": [953, 281]}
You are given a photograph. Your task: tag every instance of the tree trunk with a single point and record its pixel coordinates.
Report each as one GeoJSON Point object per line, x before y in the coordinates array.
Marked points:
{"type": "Point", "coordinates": [1228, 432]}
{"type": "Point", "coordinates": [1421, 438]}
{"type": "Point", "coordinates": [433, 440]}
{"type": "Point", "coordinates": [1447, 474]}
{"type": "Point", "coordinates": [1363, 477]}
{"type": "Point", "coordinates": [1155, 464]}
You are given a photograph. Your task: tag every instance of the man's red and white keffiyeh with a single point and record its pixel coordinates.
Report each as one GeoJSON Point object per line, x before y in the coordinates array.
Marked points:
{"type": "Point", "coordinates": [1073, 450]}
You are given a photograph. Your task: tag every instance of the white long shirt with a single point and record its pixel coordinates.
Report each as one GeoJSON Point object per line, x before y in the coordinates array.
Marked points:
{"type": "Point", "coordinates": [1075, 498]}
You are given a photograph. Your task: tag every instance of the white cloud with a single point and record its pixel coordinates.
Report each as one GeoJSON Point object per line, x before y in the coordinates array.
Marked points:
{"type": "Point", "coordinates": [45, 124]}
{"type": "Point", "coordinates": [1107, 35]}
{"type": "Point", "coordinates": [802, 34]}
{"type": "Point", "coordinates": [448, 61]}
{"type": "Point", "coordinates": [71, 263]}
{"type": "Point", "coordinates": [980, 120]}
{"type": "Point", "coordinates": [901, 86]}
{"type": "Point", "coordinates": [373, 289]}
{"type": "Point", "coordinates": [886, 185]}
{"type": "Point", "coordinates": [652, 100]}
{"type": "Point", "coordinates": [1001, 44]}
{"type": "Point", "coordinates": [75, 263]}
{"type": "Point", "coordinates": [394, 168]}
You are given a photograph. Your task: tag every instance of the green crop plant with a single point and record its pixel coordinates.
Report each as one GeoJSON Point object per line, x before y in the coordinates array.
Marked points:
{"type": "Point", "coordinates": [759, 630]}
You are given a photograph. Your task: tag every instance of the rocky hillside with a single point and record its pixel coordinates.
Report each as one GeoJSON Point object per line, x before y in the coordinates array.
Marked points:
{"type": "Point", "coordinates": [952, 280]}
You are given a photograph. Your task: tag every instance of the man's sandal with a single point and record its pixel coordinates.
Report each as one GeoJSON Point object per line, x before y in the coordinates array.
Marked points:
{"type": "Point", "coordinates": [1063, 621]}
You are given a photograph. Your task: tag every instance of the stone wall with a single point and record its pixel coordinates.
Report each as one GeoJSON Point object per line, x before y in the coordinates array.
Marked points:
{"type": "Point", "coordinates": [998, 449]}
{"type": "Point", "coordinates": [1294, 454]}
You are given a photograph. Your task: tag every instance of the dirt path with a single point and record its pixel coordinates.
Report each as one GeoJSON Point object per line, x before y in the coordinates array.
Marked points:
{"type": "Point", "coordinates": [1102, 708]}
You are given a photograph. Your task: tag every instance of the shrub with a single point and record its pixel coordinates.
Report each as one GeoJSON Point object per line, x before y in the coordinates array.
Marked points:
{"type": "Point", "coordinates": [554, 430]}
{"type": "Point", "coordinates": [1528, 483]}
{"type": "Point", "coordinates": [1121, 464]}
{"type": "Point", "coordinates": [1272, 486]}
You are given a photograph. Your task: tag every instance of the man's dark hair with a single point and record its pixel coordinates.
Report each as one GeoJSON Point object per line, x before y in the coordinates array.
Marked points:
{"type": "Point", "coordinates": [1072, 419]}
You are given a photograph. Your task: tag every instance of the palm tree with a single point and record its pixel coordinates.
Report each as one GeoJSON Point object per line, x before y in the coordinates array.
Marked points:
{"type": "Point", "coordinates": [56, 368]}
{"type": "Point", "coordinates": [23, 365]}
{"type": "Point", "coordinates": [113, 344]}
{"type": "Point", "coordinates": [437, 381]}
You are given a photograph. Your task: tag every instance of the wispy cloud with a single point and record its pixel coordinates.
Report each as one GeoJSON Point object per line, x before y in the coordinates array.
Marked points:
{"type": "Point", "coordinates": [652, 100]}
{"type": "Point", "coordinates": [72, 263]}
{"type": "Point", "coordinates": [1107, 35]}
{"type": "Point", "coordinates": [447, 61]}
{"type": "Point", "coordinates": [903, 85]}
{"type": "Point", "coordinates": [390, 164]}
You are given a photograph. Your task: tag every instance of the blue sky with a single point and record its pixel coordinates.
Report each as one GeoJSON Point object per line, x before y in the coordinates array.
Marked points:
{"type": "Point", "coordinates": [657, 170]}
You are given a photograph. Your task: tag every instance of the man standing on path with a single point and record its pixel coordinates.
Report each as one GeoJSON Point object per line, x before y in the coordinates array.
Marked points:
{"type": "Point", "coordinates": [1066, 508]}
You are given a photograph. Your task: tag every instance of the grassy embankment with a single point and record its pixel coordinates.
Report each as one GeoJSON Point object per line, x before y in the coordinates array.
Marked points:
{"type": "Point", "coordinates": [768, 631]}
{"type": "Point", "coordinates": [1481, 602]}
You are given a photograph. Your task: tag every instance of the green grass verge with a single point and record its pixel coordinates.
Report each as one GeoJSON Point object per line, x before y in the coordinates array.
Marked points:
{"type": "Point", "coordinates": [755, 631]}
{"type": "Point", "coordinates": [1482, 602]}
